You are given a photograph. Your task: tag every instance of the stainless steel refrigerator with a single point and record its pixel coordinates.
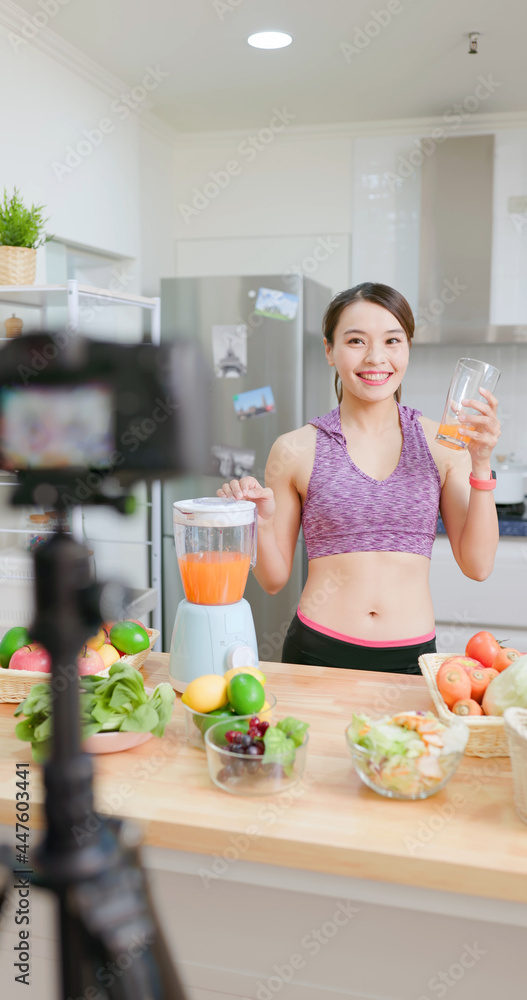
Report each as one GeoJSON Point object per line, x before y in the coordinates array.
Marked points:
{"type": "Point", "coordinates": [262, 336]}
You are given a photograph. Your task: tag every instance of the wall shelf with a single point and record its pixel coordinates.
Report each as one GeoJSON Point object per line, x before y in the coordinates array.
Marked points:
{"type": "Point", "coordinates": [70, 295]}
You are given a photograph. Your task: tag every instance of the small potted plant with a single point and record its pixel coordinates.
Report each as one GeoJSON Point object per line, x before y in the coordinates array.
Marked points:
{"type": "Point", "coordinates": [21, 232]}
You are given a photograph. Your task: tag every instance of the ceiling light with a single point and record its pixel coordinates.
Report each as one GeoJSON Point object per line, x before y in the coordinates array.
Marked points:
{"type": "Point", "coordinates": [270, 40]}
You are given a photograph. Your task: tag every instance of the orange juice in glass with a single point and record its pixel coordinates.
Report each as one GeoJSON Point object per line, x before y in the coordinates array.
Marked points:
{"type": "Point", "coordinates": [469, 377]}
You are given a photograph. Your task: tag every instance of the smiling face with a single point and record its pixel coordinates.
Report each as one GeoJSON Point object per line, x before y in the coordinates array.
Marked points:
{"type": "Point", "coordinates": [370, 351]}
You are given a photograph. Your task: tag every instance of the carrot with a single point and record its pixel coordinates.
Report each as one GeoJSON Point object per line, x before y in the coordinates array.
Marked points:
{"type": "Point", "coordinates": [480, 679]}
{"type": "Point", "coordinates": [504, 658]}
{"type": "Point", "coordinates": [453, 684]}
{"type": "Point", "coordinates": [467, 706]}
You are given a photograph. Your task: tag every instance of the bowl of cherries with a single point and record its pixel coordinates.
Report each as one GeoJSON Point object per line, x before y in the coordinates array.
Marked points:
{"type": "Point", "coordinates": [248, 756]}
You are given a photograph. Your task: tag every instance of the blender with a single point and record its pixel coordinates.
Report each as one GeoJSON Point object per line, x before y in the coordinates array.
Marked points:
{"type": "Point", "coordinates": [214, 628]}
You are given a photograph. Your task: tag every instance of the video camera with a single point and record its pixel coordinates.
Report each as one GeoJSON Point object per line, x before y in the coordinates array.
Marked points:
{"type": "Point", "coordinates": [81, 420]}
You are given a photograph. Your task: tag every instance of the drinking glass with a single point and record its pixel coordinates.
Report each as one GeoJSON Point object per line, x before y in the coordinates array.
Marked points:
{"type": "Point", "coordinates": [469, 377]}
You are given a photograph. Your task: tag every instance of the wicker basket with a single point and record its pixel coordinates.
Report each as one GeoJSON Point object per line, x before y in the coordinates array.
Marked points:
{"type": "Point", "coordinates": [17, 265]}
{"type": "Point", "coordinates": [487, 732]}
{"type": "Point", "coordinates": [15, 685]}
{"type": "Point", "coordinates": [516, 729]}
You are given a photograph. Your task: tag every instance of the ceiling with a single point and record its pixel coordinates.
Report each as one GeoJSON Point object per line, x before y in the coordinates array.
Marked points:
{"type": "Point", "coordinates": [416, 65]}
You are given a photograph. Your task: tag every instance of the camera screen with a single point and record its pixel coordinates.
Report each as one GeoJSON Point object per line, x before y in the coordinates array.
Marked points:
{"type": "Point", "coordinates": [54, 427]}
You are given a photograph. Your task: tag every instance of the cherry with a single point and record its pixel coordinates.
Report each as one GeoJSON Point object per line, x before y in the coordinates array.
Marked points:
{"type": "Point", "coordinates": [260, 746]}
{"type": "Point", "coordinates": [233, 736]}
{"type": "Point", "coordinates": [263, 727]}
{"type": "Point", "coordinates": [253, 751]}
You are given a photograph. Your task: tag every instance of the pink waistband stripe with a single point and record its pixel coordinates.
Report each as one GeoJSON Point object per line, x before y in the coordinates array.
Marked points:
{"type": "Point", "coordinates": [416, 641]}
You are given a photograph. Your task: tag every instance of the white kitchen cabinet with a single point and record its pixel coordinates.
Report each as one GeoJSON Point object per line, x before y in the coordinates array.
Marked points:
{"type": "Point", "coordinates": [463, 606]}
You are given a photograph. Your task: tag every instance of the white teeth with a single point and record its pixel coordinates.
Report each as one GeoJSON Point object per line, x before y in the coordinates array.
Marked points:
{"type": "Point", "coordinates": [374, 378]}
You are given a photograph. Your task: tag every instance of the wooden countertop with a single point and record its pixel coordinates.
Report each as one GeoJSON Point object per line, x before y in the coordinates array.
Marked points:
{"type": "Point", "coordinates": [467, 839]}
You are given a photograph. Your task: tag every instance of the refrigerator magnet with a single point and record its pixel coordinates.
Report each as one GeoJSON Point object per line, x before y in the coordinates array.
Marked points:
{"type": "Point", "coordinates": [255, 403]}
{"type": "Point", "coordinates": [229, 350]}
{"type": "Point", "coordinates": [276, 304]}
{"type": "Point", "coordinates": [229, 462]}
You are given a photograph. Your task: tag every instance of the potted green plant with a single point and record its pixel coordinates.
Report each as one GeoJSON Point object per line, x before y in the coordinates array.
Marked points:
{"type": "Point", "coordinates": [21, 232]}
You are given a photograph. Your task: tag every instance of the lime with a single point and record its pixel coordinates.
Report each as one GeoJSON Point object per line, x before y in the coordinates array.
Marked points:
{"type": "Point", "coordinates": [245, 694]}
{"type": "Point", "coordinates": [129, 637]}
{"type": "Point", "coordinates": [211, 718]}
{"type": "Point", "coordinates": [219, 735]}
{"type": "Point", "coordinates": [14, 639]}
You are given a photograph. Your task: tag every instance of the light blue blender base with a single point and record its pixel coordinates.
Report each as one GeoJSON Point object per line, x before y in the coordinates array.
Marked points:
{"type": "Point", "coordinates": [210, 639]}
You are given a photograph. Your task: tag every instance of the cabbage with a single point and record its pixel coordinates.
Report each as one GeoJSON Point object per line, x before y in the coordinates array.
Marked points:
{"type": "Point", "coordinates": [508, 689]}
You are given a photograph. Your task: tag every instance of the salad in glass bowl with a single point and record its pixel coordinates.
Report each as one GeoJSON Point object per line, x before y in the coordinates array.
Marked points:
{"type": "Point", "coordinates": [410, 755]}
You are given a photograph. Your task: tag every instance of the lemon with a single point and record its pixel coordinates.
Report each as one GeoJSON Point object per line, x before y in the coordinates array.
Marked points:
{"type": "Point", "coordinates": [245, 670]}
{"type": "Point", "coordinates": [246, 694]}
{"type": "Point", "coordinates": [265, 712]}
{"type": "Point", "coordinates": [206, 693]}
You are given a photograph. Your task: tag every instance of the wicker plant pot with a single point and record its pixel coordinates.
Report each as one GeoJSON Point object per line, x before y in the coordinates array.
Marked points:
{"type": "Point", "coordinates": [17, 265]}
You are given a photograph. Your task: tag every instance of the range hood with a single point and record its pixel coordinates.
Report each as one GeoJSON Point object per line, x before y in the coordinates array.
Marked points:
{"type": "Point", "coordinates": [456, 245]}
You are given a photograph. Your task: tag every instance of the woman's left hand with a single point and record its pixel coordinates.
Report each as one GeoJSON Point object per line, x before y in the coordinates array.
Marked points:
{"type": "Point", "coordinates": [487, 427]}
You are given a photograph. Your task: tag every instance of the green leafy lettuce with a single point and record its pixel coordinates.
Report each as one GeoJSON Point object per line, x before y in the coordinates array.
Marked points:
{"type": "Point", "coordinates": [117, 703]}
{"type": "Point", "coordinates": [282, 740]}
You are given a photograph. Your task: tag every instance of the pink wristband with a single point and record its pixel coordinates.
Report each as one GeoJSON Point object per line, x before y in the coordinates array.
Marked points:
{"type": "Point", "coordinates": [482, 484]}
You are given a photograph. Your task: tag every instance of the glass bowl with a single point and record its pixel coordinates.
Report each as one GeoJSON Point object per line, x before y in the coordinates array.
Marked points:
{"type": "Point", "coordinates": [373, 767]}
{"type": "Point", "coordinates": [197, 723]}
{"type": "Point", "coordinates": [243, 775]}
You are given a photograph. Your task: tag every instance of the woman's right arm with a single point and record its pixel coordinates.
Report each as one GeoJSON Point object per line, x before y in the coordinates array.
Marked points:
{"type": "Point", "coordinates": [279, 510]}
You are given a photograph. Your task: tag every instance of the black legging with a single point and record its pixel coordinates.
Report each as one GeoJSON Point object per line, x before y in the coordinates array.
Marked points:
{"type": "Point", "coordinates": [305, 645]}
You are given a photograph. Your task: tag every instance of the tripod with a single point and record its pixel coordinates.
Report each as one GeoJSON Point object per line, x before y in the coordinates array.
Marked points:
{"type": "Point", "coordinates": [111, 943]}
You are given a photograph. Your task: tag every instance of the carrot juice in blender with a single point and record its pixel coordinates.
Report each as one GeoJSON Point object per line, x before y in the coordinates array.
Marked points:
{"type": "Point", "coordinates": [215, 548]}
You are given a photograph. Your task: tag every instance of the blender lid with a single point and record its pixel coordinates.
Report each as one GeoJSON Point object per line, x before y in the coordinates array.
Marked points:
{"type": "Point", "coordinates": [213, 512]}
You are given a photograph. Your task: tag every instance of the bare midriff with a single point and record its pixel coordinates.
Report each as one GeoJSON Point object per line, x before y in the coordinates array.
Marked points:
{"type": "Point", "coordinates": [375, 596]}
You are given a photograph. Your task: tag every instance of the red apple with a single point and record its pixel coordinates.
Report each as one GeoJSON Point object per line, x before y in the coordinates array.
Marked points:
{"type": "Point", "coordinates": [136, 622]}
{"type": "Point", "coordinates": [89, 661]}
{"type": "Point", "coordinates": [31, 657]}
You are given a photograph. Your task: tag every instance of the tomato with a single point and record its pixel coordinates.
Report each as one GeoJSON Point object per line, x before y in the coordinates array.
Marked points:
{"type": "Point", "coordinates": [504, 658]}
{"type": "Point", "coordinates": [483, 647]}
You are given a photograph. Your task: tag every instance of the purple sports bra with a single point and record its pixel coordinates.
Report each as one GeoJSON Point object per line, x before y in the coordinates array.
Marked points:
{"type": "Point", "coordinates": [347, 511]}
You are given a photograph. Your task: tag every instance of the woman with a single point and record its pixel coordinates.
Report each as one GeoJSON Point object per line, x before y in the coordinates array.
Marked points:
{"type": "Point", "coordinates": [367, 481]}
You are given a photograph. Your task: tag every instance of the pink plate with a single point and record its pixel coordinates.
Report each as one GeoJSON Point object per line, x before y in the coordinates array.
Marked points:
{"type": "Point", "coordinates": [114, 742]}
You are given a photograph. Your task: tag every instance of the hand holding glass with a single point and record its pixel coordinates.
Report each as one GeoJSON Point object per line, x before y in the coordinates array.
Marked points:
{"type": "Point", "coordinates": [469, 377]}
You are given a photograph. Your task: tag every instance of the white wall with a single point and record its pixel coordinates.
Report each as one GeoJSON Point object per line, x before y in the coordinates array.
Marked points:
{"type": "Point", "coordinates": [272, 213]}
{"type": "Point", "coordinates": [118, 199]}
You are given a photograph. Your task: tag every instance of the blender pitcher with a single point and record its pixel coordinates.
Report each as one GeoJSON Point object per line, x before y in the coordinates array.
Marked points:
{"type": "Point", "coordinates": [215, 548]}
